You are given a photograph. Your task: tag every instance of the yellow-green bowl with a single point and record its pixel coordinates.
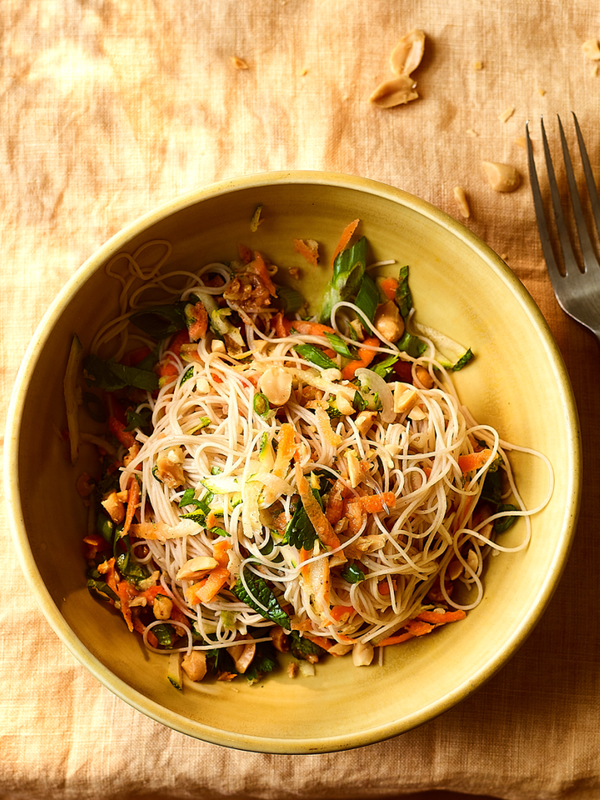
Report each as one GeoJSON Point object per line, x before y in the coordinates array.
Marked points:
{"type": "Point", "coordinates": [517, 383]}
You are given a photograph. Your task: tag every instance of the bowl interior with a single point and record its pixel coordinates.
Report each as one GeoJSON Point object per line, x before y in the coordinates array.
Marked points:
{"type": "Point", "coordinates": [517, 383]}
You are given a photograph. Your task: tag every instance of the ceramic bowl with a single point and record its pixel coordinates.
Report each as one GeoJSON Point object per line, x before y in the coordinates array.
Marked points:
{"type": "Point", "coordinates": [517, 383]}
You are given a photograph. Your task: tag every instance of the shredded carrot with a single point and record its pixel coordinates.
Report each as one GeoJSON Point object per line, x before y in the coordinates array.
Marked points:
{"type": "Point", "coordinates": [180, 338]}
{"type": "Point", "coordinates": [117, 428]}
{"type": "Point", "coordinates": [259, 266]}
{"type": "Point", "coordinates": [133, 498]}
{"type": "Point", "coordinates": [389, 286]}
{"type": "Point", "coordinates": [365, 357]}
{"type": "Point", "coordinates": [402, 637]}
{"type": "Point", "coordinates": [282, 325]}
{"type": "Point", "coordinates": [373, 503]}
{"type": "Point", "coordinates": [355, 517]}
{"type": "Point", "coordinates": [473, 461]}
{"type": "Point", "coordinates": [441, 619]}
{"type": "Point", "coordinates": [345, 238]}
{"type": "Point", "coordinates": [141, 628]}
{"type": "Point", "coordinates": [220, 552]}
{"type": "Point", "coordinates": [107, 568]}
{"type": "Point", "coordinates": [310, 328]}
{"type": "Point", "coordinates": [335, 503]}
{"type": "Point", "coordinates": [321, 641]}
{"type": "Point", "coordinates": [314, 511]}
{"type": "Point", "coordinates": [286, 448]}
{"type": "Point", "coordinates": [95, 544]}
{"type": "Point", "coordinates": [208, 588]}
{"type": "Point", "coordinates": [197, 330]}
{"type": "Point", "coordinates": [126, 592]}
{"type": "Point", "coordinates": [311, 254]}
{"type": "Point", "coordinates": [383, 588]}
{"type": "Point", "coordinates": [417, 627]}
{"type": "Point", "coordinates": [342, 613]}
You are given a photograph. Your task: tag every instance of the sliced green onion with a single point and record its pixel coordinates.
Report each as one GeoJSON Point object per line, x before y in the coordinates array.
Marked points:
{"type": "Point", "coordinates": [315, 356]}
{"type": "Point", "coordinates": [340, 346]}
{"type": "Point", "coordinates": [367, 298]}
{"type": "Point", "coordinates": [290, 299]}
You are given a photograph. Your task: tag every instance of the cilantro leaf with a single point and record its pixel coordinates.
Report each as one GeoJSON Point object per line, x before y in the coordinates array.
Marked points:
{"type": "Point", "coordinates": [261, 592]}
{"type": "Point", "coordinates": [111, 376]}
{"type": "Point", "coordinates": [385, 367]}
{"type": "Point", "coordinates": [352, 573]}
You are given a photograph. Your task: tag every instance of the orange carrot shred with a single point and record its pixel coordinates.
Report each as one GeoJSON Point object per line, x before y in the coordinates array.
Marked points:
{"type": "Point", "coordinates": [389, 286]}
{"type": "Point", "coordinates": [365, 357]}
{"type": "Point", "coordinates": [345, 238]}
{"type": "Point", "coordinates": [473, 461]}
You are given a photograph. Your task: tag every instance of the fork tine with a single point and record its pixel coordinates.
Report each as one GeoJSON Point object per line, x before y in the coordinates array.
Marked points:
{"type": "Point", "coordinates": [589, 177]}
{"type": "Point", "coordinates": [565, 242]}
{"type": "Point", "coordinates": [540, 214]}
{"type": "Point", "coordinates": [587, 251]}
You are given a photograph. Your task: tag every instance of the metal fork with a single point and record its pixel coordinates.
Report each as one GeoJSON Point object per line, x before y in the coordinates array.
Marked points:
{"type": "Point", "coordinates": [578, 290]}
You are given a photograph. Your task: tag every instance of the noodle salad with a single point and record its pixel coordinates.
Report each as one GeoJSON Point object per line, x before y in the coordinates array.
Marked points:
{"type": "Point", "coordinates": [277, 483]}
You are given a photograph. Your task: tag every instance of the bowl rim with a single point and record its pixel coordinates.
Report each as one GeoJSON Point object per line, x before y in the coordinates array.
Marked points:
{"type": "Point", "coordinates": [11, 460]}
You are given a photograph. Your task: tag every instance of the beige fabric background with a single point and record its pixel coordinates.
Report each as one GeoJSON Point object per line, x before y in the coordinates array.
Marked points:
{"type": "Point", "coordinates": [109, 107]}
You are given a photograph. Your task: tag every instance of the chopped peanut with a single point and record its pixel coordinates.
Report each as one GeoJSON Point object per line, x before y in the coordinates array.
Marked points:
{"type": "Point", "coordinates": [591, 49]}
{"type": "Point", "coordinates": [169, 467]}
{"type": "Point", "coordinates": [194, 665]}
{"type": "Point", "coordinates": [404, 399]}
{"type": "Point", "coordinates": [362, 654]}
{"type": "Point", "coordinates": [407, 54]}
{"type": "Point", "coordinates": [396, 92]}
{"type": "Point", "coordinates": [463, 204]}
{"type": "Point", "coordinates": [162, 606]}
{"type": "Point", "coordinates": [114, 507]}
{"type": "Point", "coordinates": [276, 385]}
{"type": "Point", "coordinates": [193, 569]}
{"type": "Point", "coordinates": [424, 377]}
{"type": "Point", "coordinates": [502, 177]}
{"type": "Point", "coordinates": [506, 114]}
{"type": "Point", "coordinates": [388, 321]}
{"type": "Point", "coordinates": [364, 420]}
{"type": "Point", "coordinates": [239, 63]}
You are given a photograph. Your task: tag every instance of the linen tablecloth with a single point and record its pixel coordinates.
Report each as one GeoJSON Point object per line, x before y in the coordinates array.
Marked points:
{"type": "Point", "coordinates": [110, 107]}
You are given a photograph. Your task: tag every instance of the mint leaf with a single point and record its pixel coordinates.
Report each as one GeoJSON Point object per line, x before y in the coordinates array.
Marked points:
{"type": "Point", "coordinates": [261, 592]}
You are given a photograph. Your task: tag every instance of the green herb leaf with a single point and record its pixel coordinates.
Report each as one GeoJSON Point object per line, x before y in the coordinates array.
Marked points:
{"type": "Point", "coordinates": [161, 321]}
{"type": "Point", "coordinates": [135, 420]}
{"type": "Point", "coordinates": [111, 376]}
{"type": "Point", "coordinates": [102, 589]}
{"type": "Point", "coordinates": [358, 402]}
{"type": "Point", "coordinates": [301, 647]}
{"type": "Point", "coordinates": [492, 487]}
{"type": "Point", "coordinates": [367, 298]}
{"type": "Point", "coordinates": [403, 294]}
{"type": "Point", "coordinates": [264, 662]}
{"type": "Point", "coordinates": [412, 345]}
{"type": "Point", "coordinates": [260, 591]}
{"type": "Point", "coordinates": [385, 367]}
{"type": "Point", "coordinates": [131, 570]}
{"type": "Point", "coordinates": [340, 346]}
{"type": "Point", "coordinates": [504, 523]}
{"type": "Point", "coordinates": [315, 356]}
{"type": "Point", "coordinates": [216, 531]}
{"type": "Point", "coordinates": [352, 573]}
{"type": "Point", "coordinates": [165, 634]}
{"type": "Point", "coordinates": [94, 407]}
